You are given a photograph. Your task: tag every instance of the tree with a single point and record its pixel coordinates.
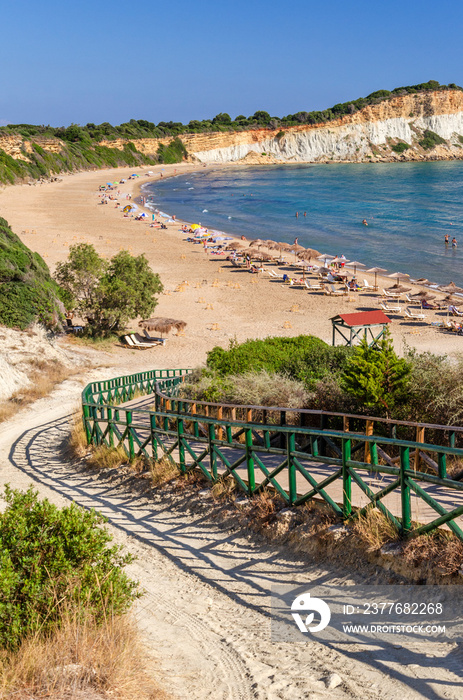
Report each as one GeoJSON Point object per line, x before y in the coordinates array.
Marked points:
{"type": "Point", "coordinates": [107, 294]}
{"type": "Point", "coordinates": [222, 118]}
{"type": "Point", "coordinates": [375, 375]}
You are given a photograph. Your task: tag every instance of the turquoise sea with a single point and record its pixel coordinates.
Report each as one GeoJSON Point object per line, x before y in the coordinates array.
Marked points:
{"type": "Point", "coordinates": [409, 208]}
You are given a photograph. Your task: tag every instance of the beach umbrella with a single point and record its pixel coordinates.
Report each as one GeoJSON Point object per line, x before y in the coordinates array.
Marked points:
{"type": "Point", "coordinates": [355, 264]}
{"type": "Point", "coordinates": [234, 246]}
{"type": "Point", "coordinates": [257, 242]}
{"type": "Point", "coordinates": [419, 296]}
{"type": "Point", "coordinates": [194, 227]}
{"type": "Point", "coordinates": [398, 275]}
{"type": "Point", "coordinates": [451, 288]}
{"type": "Point", "coordinates": [162, 325]}
{"type": "Point", "coordinates": [398, 288]}
{"type": "Point", "coordinates": [376, 270]}
{"type": "Point", "coordinates": [308, 254]}
{"type": "Point", "coordinates": [324, 257]}
{"type": "Point", "coordinates": [342, 259]}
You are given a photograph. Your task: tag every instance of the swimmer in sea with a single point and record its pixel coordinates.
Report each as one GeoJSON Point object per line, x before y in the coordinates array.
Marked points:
{"type": "Point", "coordinates": [364, 222]}
{"type": "Point", "coordinates": [454, 242]}
{"type": "Point", "coordinates": [446, 239]}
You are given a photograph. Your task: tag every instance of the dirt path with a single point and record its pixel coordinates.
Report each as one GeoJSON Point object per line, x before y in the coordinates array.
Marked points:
{"type": "Point", "coordinates": [206, 605]}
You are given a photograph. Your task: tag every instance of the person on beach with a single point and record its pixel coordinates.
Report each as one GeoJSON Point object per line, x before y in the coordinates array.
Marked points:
{"type": "Point", "coordinates": [454, 242]}
{"type": "Point", "coordinates": [446, 239]}
{"type": "Point", "coordinates": [295, 241]}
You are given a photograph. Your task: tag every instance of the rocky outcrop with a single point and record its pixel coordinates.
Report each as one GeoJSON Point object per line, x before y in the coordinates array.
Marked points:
{"type": "Point", "coordinates": [368, 135]}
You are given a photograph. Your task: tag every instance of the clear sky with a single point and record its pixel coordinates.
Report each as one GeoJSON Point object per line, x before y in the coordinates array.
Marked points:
{"type": "Point", "coordinates": [112, 61]}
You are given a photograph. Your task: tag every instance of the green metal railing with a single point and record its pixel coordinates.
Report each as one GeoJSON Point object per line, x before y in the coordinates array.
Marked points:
{"type": "Point", "coordinates": [351, 462]}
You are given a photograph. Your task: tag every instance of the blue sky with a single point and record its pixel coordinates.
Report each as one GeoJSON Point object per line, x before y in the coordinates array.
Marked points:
{"type": "Point", "coordinates": [113, 61]}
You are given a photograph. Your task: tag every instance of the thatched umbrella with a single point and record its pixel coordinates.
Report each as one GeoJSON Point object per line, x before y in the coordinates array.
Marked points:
{"type": "Point", "coordinates": [398, 288]}
{"type": "Point", "coordinates": [257, 242]}
{"type": "Point", "coordinates": [398, 276]}
{"type": "Point", "coordinates": [355, 264]}
{"type": "Point", "coordinates": [376, 270]}
{"type": "Point", "coordinates": [262, 256]}
{"type": "Point", "coordinates": [162, 325]}
{"type": "Point", "coordinates": [451, 288]}
{"type": "Point", "coordinates": [234, 245]}
{"type": "Point", "coordinates": [308, 254]}
{"type": "Point", "coordinates": [419, 296]}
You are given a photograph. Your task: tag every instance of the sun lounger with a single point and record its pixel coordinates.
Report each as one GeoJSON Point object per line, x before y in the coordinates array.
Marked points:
{"type": "Point", "coordinates": [151, 339]}
{"type": "Point", "coordinates": [367, 285]}
{"type": "Point", "coordinates": [313, 287]}
{"type": "Point", "coordinates": [394, 308]}
{"type": "Point", "coordinates": [391, 295]}
{"type": "Point", "coordinates": [415, 315]}
{"type": "Point", "coordinates": [454, 311]}
{"type": "Point", "coordinates": [132, 344]}
{"type": "Point", "coordinates": [331, 291]}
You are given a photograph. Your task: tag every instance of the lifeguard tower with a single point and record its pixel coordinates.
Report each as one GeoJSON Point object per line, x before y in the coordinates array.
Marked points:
{"type": "Point", "coordinates": [353, 327]}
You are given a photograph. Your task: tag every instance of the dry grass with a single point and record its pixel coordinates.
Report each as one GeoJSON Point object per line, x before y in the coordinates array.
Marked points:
{"type": "Point", "coordinates": [162, 471]}
{"type": "Point", "coordinates": [373, 529]}
{"type": "Point", "coordinates": [83, 660]}
{"type": "Point", "coordinates": [44, 376]}
{"type": "Point", "coordinates": [77, 443]}
{"type": "Point", "coordinates": [103, 457]}
{"type": "Point", "coordinates": [440, 550]}
{"type": "Point", "coordinates": [224, 488]}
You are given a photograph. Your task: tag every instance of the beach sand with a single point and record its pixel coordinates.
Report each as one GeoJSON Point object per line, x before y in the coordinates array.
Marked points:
{"type": "Point", "coordinates": [219, 302]}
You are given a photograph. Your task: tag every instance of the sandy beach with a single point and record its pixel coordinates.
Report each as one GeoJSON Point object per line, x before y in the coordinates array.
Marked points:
{"type": "Point", "coordinates": [219, 302]}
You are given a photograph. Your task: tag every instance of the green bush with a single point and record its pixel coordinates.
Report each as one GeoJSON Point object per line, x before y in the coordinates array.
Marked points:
{"type": "Point", "coordinates": [51, 558]}
{"type": "Point", "coordinates": [430, 139]}
{"type": "Point", "coordinates": [305, 358]}
{"type": "Point", "coordinates": [28, 291]}
{"type": "Point", "coordinates": [400, 147]}
{"type": "Point", "coordinates": [175, 152]}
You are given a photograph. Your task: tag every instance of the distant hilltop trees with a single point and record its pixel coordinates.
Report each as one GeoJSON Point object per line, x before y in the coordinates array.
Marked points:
{"type": "Point", "coordinates": [140, 128]}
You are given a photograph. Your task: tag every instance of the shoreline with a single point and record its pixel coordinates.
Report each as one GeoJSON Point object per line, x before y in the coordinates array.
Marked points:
{"type": "Point", "coordinates": [219, 302]}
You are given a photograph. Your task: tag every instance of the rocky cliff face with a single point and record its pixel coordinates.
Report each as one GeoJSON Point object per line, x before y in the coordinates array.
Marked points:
{"type": "Point", "coordinates": [367, 135]}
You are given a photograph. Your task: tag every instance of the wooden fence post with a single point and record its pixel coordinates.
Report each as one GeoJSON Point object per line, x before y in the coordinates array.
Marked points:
{"type": "Point", "coordinates": [369, 430]}
{"type": "Point", "coordinates": [419, 437]}
{"type": "Point", "coordinates": [346, 478]}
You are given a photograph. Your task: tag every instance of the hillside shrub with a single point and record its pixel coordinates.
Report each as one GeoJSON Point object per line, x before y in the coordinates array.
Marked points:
{"type": "Point", "coordinates": [175, 152]}
{"type": "Point", "coordinates": [430, 140]}
{"type": "Point", "coordinates": [50, 558]}
{"type": "Point", "coordinates": [400, 147]}
{"type": "Point", "coordinates": [28, 291]}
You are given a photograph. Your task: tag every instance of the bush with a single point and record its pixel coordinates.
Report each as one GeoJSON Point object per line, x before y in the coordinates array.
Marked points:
{"type": "Point", "coordinates": [400, 147]}
{"type": "Point", "coordinates": [28, 291]}
{"type": "Point", "coordinates": [248, 389]}
{"type": "Point", "coordinates": [430, 140]}
{"type": "Point", "coordinates": [50, 558]}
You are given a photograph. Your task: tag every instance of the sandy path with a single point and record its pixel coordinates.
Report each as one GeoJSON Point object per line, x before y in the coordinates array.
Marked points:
{"type": "Point", "coordinates": [206, 604]}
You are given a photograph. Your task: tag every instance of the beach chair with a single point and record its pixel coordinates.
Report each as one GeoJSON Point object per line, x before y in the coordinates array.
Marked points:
{"type": "Point", "coordinates": [454, 311]}
{"type": "Point", "coordinates": [313, 287]}
{"type": "Point", "coordinates": [415, 315]}
{"type": "Point", "coordinates": [368, 286]}
{"type": "Point", "coordinates": [151, 339]}
{"type": "Point", "coordinates": [392, 308]}
{"type": "Point", "coordinates": [154, 341]}
{"type": "Point", "coordinates": [332, 292]}
{"type": "Point", "coordinates": [391, 295]}
{"type": "Point", "coordinates": [131, 344]}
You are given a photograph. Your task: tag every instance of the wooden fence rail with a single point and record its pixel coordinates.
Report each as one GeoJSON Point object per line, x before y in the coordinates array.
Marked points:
{"type": "Point", "coordinates": [351, 462]}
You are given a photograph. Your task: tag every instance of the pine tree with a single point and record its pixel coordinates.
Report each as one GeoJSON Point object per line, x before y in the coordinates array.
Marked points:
{"type": "Point", "coordinates": [375, 375]}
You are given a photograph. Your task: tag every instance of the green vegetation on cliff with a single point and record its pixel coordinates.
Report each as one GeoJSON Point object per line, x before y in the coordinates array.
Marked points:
{"type": "Point", "coordinates": [90, 146]}
{"type": "Point", "coordinates": [28, 292]}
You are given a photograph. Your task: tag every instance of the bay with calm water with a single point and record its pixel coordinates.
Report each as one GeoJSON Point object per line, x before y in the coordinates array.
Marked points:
{"type": "Point", "coordinates": [409, 208]}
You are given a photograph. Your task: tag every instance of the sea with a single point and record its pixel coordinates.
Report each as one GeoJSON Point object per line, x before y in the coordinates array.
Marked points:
{"type": "Point", "coordinates": [409, 208]}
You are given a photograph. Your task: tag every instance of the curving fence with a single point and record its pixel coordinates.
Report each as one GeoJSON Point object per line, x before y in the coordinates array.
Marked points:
{"type": "Point", "coordinates": [350, 462]}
